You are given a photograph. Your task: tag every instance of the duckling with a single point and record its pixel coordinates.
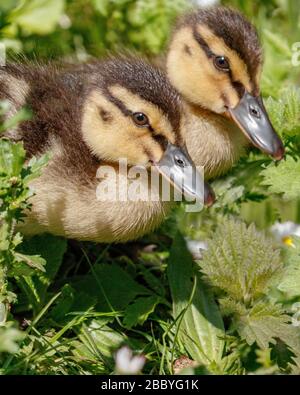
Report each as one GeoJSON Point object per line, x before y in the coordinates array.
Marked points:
{"type": "Point", "coordinates": [214, 60]}
{"type": "Point", "coordinates": [89, 117]}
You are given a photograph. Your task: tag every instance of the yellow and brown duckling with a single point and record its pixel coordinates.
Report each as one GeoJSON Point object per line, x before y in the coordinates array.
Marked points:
{"type": "Point", "coordinates": [89, 117]}
{"type": "Point", "coordinates": [215, 61]}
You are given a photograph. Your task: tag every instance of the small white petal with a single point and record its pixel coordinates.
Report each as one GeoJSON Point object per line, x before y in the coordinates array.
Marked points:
{"type": "Point", "coordinates": [137, 363]}
{"type": "Point", "coordinates": [285, 229]}
{"type": "Point", "coordinates": [126, 363]}
{"type": "Point", "coordinates": [123, 358]}
{"type": "Point", "coordinates": [205, 3]}
{"type": "Point", "coordinates": [196, 247]}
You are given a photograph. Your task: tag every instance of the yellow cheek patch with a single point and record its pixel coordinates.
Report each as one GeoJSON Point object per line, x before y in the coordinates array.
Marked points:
{"type": "Point", "coordinates": [118, 137]}
{"type": "Point", "coordinates": [218, 46]}
{"type": "Point", "coordinates": [192, 73]}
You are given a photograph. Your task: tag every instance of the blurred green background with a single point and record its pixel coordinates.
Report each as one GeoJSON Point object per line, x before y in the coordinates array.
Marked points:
{"type": "Point", "coordinates": [78, 29]}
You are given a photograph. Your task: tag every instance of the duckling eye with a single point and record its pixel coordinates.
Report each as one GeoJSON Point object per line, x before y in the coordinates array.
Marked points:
{"type": "Point", "coordinates": [140, 119]}
{"type": "Point", "coordinates": [221, 63]}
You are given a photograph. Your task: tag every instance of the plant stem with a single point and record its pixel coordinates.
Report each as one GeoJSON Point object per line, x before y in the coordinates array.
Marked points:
{"type": "Point", "coordinates": [4, 303]}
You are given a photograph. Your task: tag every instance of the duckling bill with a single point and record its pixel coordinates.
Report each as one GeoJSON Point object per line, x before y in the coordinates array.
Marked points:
{"type": "Point", "coordinates": [91, 116]}
{"type": "Point", "coordinates": [251, 116]}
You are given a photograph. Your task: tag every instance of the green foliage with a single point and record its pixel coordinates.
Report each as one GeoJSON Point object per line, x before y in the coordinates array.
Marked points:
{"type": "Point", "coordinates": [290, 281]}
{"type": "Point", "coordinates": [14, 192]}
{"type": "Point", "coordinates": [242, 264]}
{"type": "Point", "coordinates": [84, 26]}
{"type": "Point", "coordinates": [240, 261]}
{"type": "Point", "coordinates": [285, 112]}
{"type": "Point", "coordinates": [283, 179]}
{"type": "Point", "coordinates": [198, 319]}
{"type": "Point", "coordinates": [137, 312]}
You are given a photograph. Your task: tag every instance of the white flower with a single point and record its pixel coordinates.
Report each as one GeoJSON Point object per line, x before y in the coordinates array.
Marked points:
{"type": "Point", "coordinates": [205, 3]}
{"type": "Point", "coordinates": [3, 314]}
{"type": "Point", "coordinates": [283, 232]}
{"type": "Point", "coordinates": [65, 22]}
{"type": "Point", "coordinates": [126, 363]}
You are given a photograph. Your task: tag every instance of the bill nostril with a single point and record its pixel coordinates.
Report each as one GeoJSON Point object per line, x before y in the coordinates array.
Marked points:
{"type": "Point", "coordinates": [254, 111]}
{"type": "Point", "coordinates": [180, 162]}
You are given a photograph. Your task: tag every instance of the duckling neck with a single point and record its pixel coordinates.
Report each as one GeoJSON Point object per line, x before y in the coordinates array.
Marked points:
{"type": "Point", "coordinates": [213, 141]}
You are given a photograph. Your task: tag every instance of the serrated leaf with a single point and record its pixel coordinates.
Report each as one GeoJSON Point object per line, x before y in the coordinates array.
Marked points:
{"type": "Point", "coordinates": [283, 179]}
{"type": "Point", "coordinates": [240, 261]}
{"type": "Point", "coordinates": [202, 326]}
{"type": "Point", "coordinates": [34, 261]}
{"type": "Point", "coordinates": [285, 112]}
{"type": "Point", "coordinates": [137, 312]}
{"type": "Point", "coordinates": [266, 322]}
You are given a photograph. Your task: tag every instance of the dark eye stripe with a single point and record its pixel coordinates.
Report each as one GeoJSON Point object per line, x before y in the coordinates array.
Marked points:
{"type": "Point", "coordinates": [238, 86]}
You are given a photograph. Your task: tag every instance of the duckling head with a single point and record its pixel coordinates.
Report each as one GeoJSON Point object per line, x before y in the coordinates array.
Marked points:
{"type": "Point", "coordinates": [131, 111]}
{"type": "Point", "coordinates": [215, 61]}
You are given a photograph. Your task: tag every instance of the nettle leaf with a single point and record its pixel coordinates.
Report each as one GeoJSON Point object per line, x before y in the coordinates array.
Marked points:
{"type": "Point", "coordinates": [290, 280]}
{"type": "Point", "coordinates": [137, 312]}
{"type": "Point", "coordinates": [240, 261]}
{"type": "Point", "coordinates": [285, 112]}
{"type": "Point", "coordinates": [283, 179]}
{"type": "Point", "coordinates": [201, 327]}
{"type": "Point", "coordinates": [264, 323]}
